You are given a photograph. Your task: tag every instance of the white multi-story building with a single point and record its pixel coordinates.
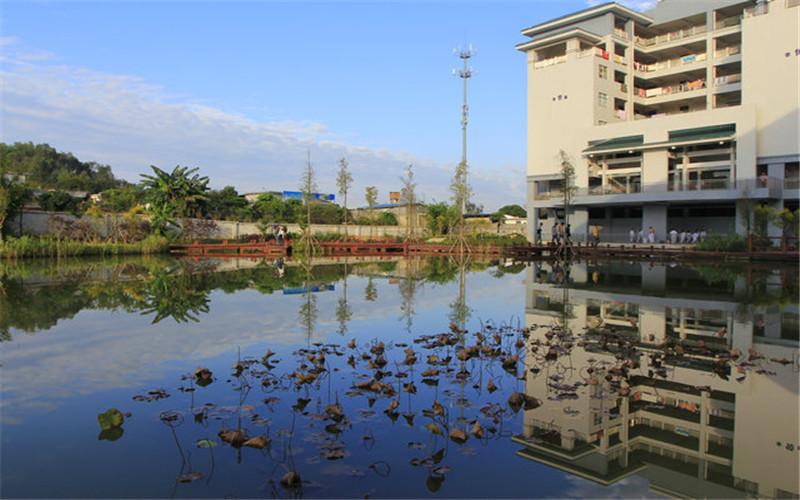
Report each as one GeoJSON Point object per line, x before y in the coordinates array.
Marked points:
{"type": "Point", "coordinates": [678, 117]}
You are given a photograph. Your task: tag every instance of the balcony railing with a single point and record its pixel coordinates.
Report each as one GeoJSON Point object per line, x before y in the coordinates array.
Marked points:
{"type": "Point", "coordinates": [608, 56]}
{"type": "Point", "coordinates": [727, 79]}
{"type": "Point", "coordinates": [670, 63]}
{"type": "Point", "coordinates": [728, 51]}
{"type": "Point", "coordinates": [751, 185]}
{"type": "Point", "coordinates": [670, 37]}
{"type": "Point", "coordinates": [550, 62]}
{"type": "Point", "coordinates": [791, 183]}
{"type": "Point", "coordinates": [728, 22]}
{"type": "Point", "coordinates": [700, 83]}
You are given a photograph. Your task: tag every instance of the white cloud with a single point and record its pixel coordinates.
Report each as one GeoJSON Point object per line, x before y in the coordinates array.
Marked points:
{"type": "Point", "coordinates": [130, 124]}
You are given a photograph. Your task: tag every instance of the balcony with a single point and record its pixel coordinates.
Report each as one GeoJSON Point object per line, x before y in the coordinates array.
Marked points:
{"type": "Point", "coordinates": [664, 436]}
{"type": "Point", "coordinates": [645, 96]}
{"type": "Point", "coordinates": [707, 189]}
{"type": "Point", "coordinates": [678, 62]}
{"type": "Point", "coordinates": [666, 38]}
{"type": "Point", "coordinates": [550, 62]}
{"type": "Point", "coordinates": [733, 50]}
{"type": "Point", "coordinates": [727, 79]}
{"type": "Point", "coordinates": [730, 22]}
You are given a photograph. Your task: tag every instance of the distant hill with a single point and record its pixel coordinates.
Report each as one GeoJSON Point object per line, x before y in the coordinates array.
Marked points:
{"type": "Point", "coordinates": [42, 167]}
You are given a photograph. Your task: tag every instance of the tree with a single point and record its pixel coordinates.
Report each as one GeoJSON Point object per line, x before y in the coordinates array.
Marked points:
{"type": "Point", "coordinates": [343, 181]}
{"type": "Point", "coordinates": [178, 194]}
{"type": "Point", "coordinates": [371, 195]}
{"type": "Point", "coordinates": [12, 197]}
{"type": "Point", "coordinates": [441, 218]}
{"type": "Point", "coordinates": [461, 192]}
{"type": "Point", "coordinates": [123, 198]}
{"type": "Point", "coordinates": [47, 168]}
{"type": "Point", "coordinates": [387, 219]}
{"type": "Point", "coordinates": [567, 183]}
{"type": "Point", "coordinates": [789, 221]}
{"type": "Point", "coordinates": [512, 210]}
{"type": "Point", "coordinates": [308, 187]}
{"type": "Point", "coordinates": [409, 198]}
{"type": "Point", "coordinates": [226, 204]}
{"type": "Point", "coordinates": [269, 209]}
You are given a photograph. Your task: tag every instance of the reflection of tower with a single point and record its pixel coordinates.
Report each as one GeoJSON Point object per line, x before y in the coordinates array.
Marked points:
{"type": "Point", "coordinates": [689, 427]}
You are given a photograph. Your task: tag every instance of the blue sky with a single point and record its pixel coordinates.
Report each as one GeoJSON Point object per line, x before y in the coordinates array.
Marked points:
{"type": "Point", "coordinates": [244, 90]}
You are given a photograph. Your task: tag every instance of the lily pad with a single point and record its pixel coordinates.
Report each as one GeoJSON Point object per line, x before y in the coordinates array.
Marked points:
{"type": "Point", "coordinates": [111, 419]}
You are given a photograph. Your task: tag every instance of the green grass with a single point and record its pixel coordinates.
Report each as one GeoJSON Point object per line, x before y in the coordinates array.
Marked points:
{"type": "Point", "coordinates": [48, 247]}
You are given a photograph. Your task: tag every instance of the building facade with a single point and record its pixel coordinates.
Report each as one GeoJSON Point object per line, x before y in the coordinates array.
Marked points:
{"type": "Point", "coordinates": [679, 118]}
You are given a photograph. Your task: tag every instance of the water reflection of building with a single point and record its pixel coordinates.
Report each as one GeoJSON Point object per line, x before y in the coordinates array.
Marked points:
{"type": "Point", "coordinates": [691, 426]}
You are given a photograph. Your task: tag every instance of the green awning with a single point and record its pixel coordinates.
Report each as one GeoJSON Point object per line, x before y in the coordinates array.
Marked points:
{"type": "Point", "coordinates": [616, 143]}
{"type": "Point", "coordinates": [685, 136]}
{"type": "Point", "coordinates": [700, 133]}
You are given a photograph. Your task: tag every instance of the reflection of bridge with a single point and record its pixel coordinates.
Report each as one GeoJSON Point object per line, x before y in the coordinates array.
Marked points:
{"type": "Point", "coordinates": [347, 247]}
{"type": "Point", "coordinates": [780, 249]}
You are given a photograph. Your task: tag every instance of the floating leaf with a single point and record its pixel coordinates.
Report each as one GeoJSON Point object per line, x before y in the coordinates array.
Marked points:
{"type": "Point", "coordinates": [188, 478]}
{"type": "Point", "coordinates": [458, 435]}
{"type": "Point", "coordinates": [111, 419]}
{"type": "Point", "coordinates": [206, 443]}
{"type": "Point", "coordinates": [291, 480]}
{"type": "Point", "coordinates": [257, 442]}
{"type": "Point", "coordinates": [435, 429]}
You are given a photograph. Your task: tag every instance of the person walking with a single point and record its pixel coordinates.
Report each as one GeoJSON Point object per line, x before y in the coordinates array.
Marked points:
{"type": "Point", "coordinates": [596, 234]}
{"type": "Point", "coordinates": [632, 236]}
{"type": "Point", "coordinates": [651, 235]}
{"type": "Point", "coordinates": [539, 234]}
{"type": "Point", "coordinates": [554, 234]}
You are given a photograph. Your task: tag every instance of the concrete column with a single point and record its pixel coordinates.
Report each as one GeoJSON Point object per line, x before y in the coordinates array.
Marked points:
{"type": "Point", "coordinates": [655, 216]}
{"type": "Point", "coordinates": [579, 219]}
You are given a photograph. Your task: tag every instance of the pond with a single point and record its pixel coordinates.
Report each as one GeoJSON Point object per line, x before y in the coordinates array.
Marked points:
{"type": "Point", "coordinates": [390, 378]}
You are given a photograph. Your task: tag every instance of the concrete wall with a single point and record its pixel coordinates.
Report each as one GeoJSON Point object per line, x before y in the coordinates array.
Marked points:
{"type": "Point", "coordinates": [39, 223]}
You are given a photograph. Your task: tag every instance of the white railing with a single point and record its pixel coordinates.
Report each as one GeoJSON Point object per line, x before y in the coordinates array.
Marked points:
{"type": "Point", "coordinates": [728, 23]}
{"type": "Point", "coordinates": [728, 51]}
{"type": "Point", "coordinates": [727, 79]}
{"type": "Point", "coordinates": [550, 62]}
{"type": "Point", "coordinates": [670, 63]}
{"type": "Point", "coordinates": [670, 89]}
{"type": "Point", "coordinates": [670, 37]}
{"type": "Point", "coordinates": [608, 56]}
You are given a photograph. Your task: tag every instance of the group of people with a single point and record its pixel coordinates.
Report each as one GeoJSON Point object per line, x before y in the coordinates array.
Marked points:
{"type": "Point", "coordinates": [560, 234]}
{"type": "Point", "coordinates": [674, 237]}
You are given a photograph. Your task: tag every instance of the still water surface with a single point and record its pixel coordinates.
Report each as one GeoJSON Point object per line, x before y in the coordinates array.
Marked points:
{"type": "Point", "coordinates": [398, 378]}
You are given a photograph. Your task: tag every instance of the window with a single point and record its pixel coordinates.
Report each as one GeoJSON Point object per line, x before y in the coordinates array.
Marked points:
{"type": "Point", "coordinates": [602, 99]}
{"type": "Point", "coordinates": [602, 71]}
